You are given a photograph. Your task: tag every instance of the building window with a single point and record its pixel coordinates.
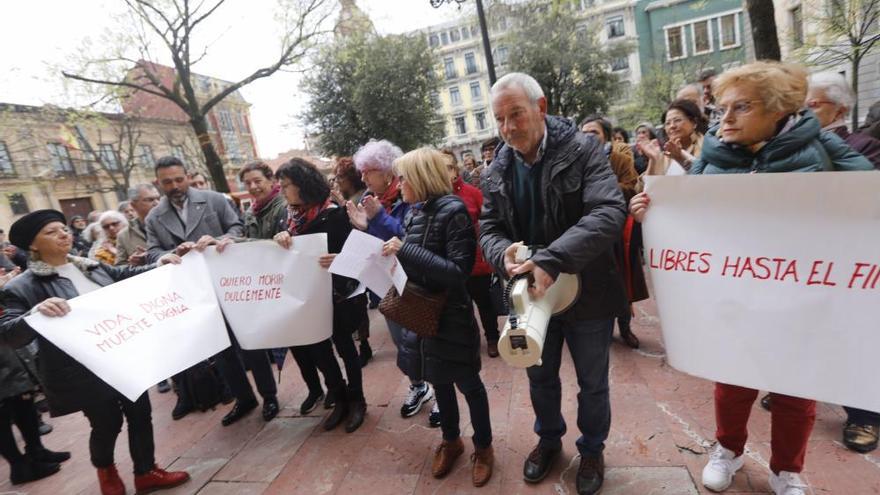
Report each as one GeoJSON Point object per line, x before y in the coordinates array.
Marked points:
{"type": "Point", "coordinates": [210, 125]}
{"type": "Point", "coordinates": [675, 43]}
{"type": "Point", "coordinates": [177, 151]}
{"type": "Point", "coordinates": [454, 35]}
{"type": "Point", "coordinates": [615, 27]}
{"type": "Point", "coordinates": [434, 41]}
{"type": "Point", "coordinates": [18, 203]}
{"type": "Point", "coordinates": [243, 125]}
{"type": "Point", "coordinates": [502, 55]}
{"type": "Point", "coordinates": [435, 100]}
{"type": "Point", "coordinates": [444, 38]}
{"type": "Point", "coordinates": [480, 117]}
{"type": "Point", "coordinates": [476, 91]}
{"type": "Point", "coordinates": [460, 125]}
{"type": "Point", "coordinates": [702, 35]}
{"type": "Point", "coordinates": [454, 95]}
{"type": "Point", "coordinates": [620, 63]}
{"type": "Point", "coordinates": [59, 156]}
{"type": "Point", "coordinates": [474, 31]}
{"type": "Point", "coordinates": [470, 63]}
{"type": "Point", "coordinates": [109, 157]}
{"type": "Point", "coordinates": [797, 26]}
{"type": "Point", "coordinates": [465, 33]}
{"type": "Point", "coordinates": [449, 68]}
{"type": "Point", "coordinates": [5, 160]}
{"type": "Point", "coordinates": [729, 31]}
{"type": "Point", "coordinates": [145, 156]}
{"type": "Point", "coordinates": [226, 121]}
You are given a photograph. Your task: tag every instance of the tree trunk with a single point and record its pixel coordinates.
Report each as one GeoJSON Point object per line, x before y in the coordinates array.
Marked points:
{"type": "Point", "coordinates": [763, 29]}
{"type": "Point", "coordinates": [854, 111]}
{"type": "Point", "coordinates": [212, 159]}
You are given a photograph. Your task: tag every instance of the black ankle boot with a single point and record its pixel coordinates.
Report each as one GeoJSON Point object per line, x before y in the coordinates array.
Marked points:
{"type": "Point", "coordinates": [29, 470]}
{"type": "Point", "coordinates": [338, 415]}
{"type": "Point", "coordinates": [366, 353]}
{"type": "Point", "coordinates": [45, 455]}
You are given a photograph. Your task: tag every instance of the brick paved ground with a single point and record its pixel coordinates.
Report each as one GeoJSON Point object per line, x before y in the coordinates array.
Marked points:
{"type": "Point", "coordinates": [662, 424]}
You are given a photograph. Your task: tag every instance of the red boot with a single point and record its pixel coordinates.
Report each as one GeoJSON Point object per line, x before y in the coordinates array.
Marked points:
{"type": "Point", "coordinates": [159, 479]}
{"type": "Point", "coordinates": [111, 484]}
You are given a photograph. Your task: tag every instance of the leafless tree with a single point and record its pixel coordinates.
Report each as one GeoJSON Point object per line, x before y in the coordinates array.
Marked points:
{"type": "Point", "coordinates": [175, 24]}
{"type": "Point", "coordinates": [847, 33]}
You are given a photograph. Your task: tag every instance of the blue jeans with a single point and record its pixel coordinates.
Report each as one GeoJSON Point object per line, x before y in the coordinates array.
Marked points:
{"type": "Point", "coordinates": [589, 342]}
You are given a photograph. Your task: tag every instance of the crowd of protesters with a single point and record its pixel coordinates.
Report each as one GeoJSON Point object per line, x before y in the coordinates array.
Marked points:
{"type": "Point", "coordinates": [573, 191]}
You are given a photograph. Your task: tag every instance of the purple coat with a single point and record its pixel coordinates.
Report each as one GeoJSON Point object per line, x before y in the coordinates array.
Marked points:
{"type": "Point", "coordinates": [861, 143]}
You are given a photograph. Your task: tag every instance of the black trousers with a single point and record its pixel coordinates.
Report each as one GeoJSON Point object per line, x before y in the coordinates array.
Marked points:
{"type": "Point", "coordinates": [478, 402]}
{"type": "Point", "coordinates": [20, 410]}
{"type": "Point", "coordinates": [348, 316]}
{"type": "Point", "coordinates": [105, 417]}
{"type": "Point", "coordinates": [479, 289]}
{"type": "Point", "coordinates": [313, 357]}
{"type": "Point", "coordinates": [233, 372]}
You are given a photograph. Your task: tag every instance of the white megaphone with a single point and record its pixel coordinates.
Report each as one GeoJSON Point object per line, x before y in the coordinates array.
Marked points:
{"type": "Point", "coordinates": [522, 340]}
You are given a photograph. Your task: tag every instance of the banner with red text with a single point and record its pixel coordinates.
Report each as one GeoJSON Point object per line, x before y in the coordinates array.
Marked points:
{"type": "Point", "coordinates": [139, 331]}
{"type": "Point", "coordinates": [770, 281]}
{"type": "Point", "coordinates": [274, 297]}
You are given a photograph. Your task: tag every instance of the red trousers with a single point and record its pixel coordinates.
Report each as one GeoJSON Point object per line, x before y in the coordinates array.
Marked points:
{"type": "Point", "coordinates": [792, 421]}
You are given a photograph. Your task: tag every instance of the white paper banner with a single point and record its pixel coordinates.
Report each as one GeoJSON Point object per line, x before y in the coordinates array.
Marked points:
{"type": "Point", "coordinates": [361, 258]}
{"type": "Point", "coordinates": [770, 281]}
{"type": "Point", "coordinates": [141, 330]}
{"type": "Point", "coordinates": [273, 297]}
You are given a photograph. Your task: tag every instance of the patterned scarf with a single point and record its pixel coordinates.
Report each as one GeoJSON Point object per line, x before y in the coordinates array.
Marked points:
{"type": "Point", "coordinates": [259, 205]}
{"type": "Point", "coordinates": [389, 197]}
{"type": "Point", "coordinates": [298, 218]}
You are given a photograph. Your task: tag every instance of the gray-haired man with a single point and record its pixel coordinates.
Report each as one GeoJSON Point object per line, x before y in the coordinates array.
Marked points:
{"type": "Point", "coordinates": [551, 186]}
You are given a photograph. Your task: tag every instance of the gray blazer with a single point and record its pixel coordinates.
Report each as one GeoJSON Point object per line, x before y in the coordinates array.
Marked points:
{"type": "Point", "coordinates": [208, 213]}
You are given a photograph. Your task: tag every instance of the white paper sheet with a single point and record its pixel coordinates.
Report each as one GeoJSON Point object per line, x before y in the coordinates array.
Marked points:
{"type": "Point", "coordinates": [141, 330]}
{"type": "Point", "coordinates": [361, 258]}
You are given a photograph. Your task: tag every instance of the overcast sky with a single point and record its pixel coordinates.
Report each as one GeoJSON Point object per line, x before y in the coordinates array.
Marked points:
{"type": "Point", "coordinates": [41, 35]}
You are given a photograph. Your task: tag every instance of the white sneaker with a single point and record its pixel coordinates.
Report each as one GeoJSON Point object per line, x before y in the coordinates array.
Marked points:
{"type": "Point", "coordinates": [787, 484]}
{"type": "Point", "coordinates": [718, 473]}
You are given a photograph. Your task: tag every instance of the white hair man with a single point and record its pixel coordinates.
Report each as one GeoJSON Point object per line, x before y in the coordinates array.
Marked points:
{"type": "Point", "coordinates": [552, 188]}
{"type": "Point", "coordinates": [131, 243]}
{"type": "Point", "coordinates": [831, 98]}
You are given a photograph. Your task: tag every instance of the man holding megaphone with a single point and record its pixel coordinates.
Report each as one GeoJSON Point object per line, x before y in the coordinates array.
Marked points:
{"type": "Point", "coordinates": [552, 186]}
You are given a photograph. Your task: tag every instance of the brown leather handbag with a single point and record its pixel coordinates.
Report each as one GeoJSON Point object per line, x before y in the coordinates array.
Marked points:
{"type": "Point", "coordinates": [417, 309]}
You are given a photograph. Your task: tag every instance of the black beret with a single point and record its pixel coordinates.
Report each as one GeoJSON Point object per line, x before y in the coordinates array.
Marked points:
{"type": "Point", "coordinates": [23, 231]}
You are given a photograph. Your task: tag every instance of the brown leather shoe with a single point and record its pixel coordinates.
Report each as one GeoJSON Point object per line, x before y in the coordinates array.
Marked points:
{"type": "Point", "coordinates": [445, 456]}
{"type": "Point", "coordinates": [483, 460]}
{"type": "Point", "coordinates": [492, 349]}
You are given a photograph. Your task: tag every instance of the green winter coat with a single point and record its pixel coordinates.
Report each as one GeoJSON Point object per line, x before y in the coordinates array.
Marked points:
{"type": "Point", "coordinates": [802, 148]}
{"type": "Point", "coordinates": [268, 222]}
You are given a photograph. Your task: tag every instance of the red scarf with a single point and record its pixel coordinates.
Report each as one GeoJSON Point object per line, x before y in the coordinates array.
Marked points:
{"type": "Point", "coordinates": [389, 197]}
{"type": "Point", "coordinates": [259, 205]}
{"type": "Point", "coordinates": [299, 218]}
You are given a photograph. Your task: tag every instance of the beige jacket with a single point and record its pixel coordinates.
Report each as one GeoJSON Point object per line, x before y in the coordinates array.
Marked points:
{"type": "Point", "coordinates": [129, 240]}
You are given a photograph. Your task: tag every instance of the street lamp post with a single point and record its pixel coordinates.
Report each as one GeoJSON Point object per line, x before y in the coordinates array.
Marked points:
{"type": "Point", "coordinates": [484, 30]}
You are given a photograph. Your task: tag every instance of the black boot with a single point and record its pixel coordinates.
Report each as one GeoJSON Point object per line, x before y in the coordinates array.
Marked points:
{"type": "Point", "coordinates": [627, 336]}
{"type": "Point", "coordinates": [28, 470]}
{"type": "Point", "coordinates": [45, 455]}
{"type": "Point", "coordinates": [591, 474]}
{"type": "Point", "coordinates": [366, 352]}
{"type": "Point", "coordinates": [270, 408]}
{"type": "Point", "coordinates": [339, 413]}
{"type": "Point", "coordinates": [181, 409]}
{"type": "Point", "coordinates": [356, 415]}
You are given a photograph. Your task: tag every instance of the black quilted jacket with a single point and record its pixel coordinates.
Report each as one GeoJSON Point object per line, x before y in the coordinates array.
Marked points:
{"type": "Point", "coordinates": [443, 226]}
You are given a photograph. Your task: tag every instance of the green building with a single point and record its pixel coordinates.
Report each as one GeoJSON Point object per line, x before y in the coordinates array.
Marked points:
{"type": "Point", "coordinates": [688, 36]}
